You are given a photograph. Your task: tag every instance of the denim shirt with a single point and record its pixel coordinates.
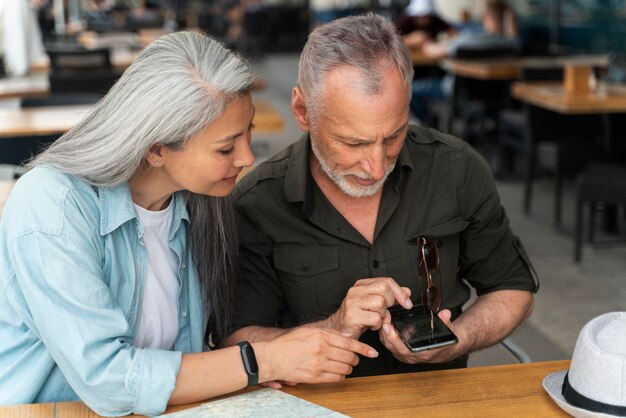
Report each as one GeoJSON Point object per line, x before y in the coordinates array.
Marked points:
{"type": "Point", "coordinates": [72, 268]}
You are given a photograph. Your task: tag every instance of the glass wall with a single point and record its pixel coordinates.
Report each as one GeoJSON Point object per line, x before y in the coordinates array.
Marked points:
{"type": "Point", "coordinates": [592, 26]}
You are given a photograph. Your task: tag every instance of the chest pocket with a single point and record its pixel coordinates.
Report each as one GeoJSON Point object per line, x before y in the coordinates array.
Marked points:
{"type": "Point", "coordinates": [308, 276]}
{"type": "Point", "coordinates": [447, 237]}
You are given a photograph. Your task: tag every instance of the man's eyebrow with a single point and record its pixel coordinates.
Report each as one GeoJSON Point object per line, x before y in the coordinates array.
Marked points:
{"type": "Point", "coordinates": [367, 140]}
{"type": "Point", "coordinates": [231, 138]}
{"type": "Point", "coordinates": [397, 131]}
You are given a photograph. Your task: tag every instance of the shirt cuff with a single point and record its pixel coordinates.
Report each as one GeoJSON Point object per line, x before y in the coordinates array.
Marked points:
{"type": "Point", "coordinates": [152, 378]}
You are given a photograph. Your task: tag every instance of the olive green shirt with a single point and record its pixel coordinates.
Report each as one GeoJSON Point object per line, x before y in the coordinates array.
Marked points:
{"type": "Point", "coordinates": [299, 256]}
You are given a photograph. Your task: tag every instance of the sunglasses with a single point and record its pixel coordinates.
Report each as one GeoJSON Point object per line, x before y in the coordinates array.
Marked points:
{"type": "Point", "coordinates": [427, 267]}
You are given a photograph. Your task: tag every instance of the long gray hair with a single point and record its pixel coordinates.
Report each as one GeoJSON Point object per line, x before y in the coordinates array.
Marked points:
{"type": "Point", "coordinates": [358, 41]}
{"type": "Point", "coordinates": [177, 86]}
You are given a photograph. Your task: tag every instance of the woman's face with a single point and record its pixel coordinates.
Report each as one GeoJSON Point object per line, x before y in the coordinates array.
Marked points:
{"type": "Point", "coordinates": [210, 161]}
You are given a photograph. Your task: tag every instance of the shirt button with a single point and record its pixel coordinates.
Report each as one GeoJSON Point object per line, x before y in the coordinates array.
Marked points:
{"type": "Point", "coordinates": [375, 263]}
{"type": "Point", "coordinates": [305, 267]}
{"type": "Point", "coordinates": [183, 266]}
{"type": "Point", "coordinates": [183, 314]}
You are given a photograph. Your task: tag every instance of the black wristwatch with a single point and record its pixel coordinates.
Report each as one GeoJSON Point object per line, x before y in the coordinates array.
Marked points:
{"type": "Point", "coordinates": [249, 362]}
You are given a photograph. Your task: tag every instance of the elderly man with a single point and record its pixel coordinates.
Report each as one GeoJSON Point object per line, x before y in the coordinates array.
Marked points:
{"type": "Point", "coordinates": [331, 226]}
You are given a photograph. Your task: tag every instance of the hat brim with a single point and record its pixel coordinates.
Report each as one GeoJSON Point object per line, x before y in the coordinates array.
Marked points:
{"type": "Point", "coordinates": [553, 383]}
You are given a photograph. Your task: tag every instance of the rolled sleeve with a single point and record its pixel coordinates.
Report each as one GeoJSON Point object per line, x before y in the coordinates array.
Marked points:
{"type": "Point", "coordinates": [152, 378]}
{"type": "Point", "coordinates": [491, 257]}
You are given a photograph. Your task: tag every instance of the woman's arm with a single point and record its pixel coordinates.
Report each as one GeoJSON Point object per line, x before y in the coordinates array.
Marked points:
{"type": "Point", "coordinates": [304, 355]}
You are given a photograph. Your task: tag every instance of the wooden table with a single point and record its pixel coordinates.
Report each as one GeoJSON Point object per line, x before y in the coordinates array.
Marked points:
{"type": "Point", "coordinates": [33, 121]}
{"type": "Point", "coordinates": [37, 84]}
{"type": "Point", "coordinates": [59, 119]}
{"type": "Point", "coordinates": [31, 85]}
{"type": "Point", "coordinates": [509, 68]}
{"type": "Point", "coordinates": [495, 391]}
{"type": "Point", "coordinates": [606, 98]}
{"type": "Point", "coordinates": [420, 59]}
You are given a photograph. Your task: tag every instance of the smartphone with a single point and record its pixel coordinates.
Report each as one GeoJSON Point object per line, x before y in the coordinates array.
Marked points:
{"type": "Point", "coordinates": [420, 328]}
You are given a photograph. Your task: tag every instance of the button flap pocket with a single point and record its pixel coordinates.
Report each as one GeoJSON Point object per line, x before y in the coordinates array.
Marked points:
{"type": "Point", "coordinates": [306, 261]}
{"type": "Point", "coordinates": [450, 227]}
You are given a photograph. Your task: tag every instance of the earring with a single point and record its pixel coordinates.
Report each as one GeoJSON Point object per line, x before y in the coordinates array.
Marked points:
{"type": "Point", "coordinates": [157, 163]}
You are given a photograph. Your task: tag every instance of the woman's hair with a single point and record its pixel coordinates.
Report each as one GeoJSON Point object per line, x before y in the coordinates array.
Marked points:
{"type": "Point", "coordinates": [364, 42]}
{"type": "Point", "coordinates": [178, 85]}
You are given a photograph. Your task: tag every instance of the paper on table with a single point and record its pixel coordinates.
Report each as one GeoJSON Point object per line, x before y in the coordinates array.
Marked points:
{"type": "Point", "coordinates": [262, 403]}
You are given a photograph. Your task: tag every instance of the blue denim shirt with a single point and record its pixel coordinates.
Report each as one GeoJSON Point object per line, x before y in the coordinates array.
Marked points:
{"type": "Point", "coordinates": [72, 266]}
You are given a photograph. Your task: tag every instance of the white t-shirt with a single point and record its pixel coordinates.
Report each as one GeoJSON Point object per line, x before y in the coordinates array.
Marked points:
{"type": "Point", "coordinates": [158, 319]}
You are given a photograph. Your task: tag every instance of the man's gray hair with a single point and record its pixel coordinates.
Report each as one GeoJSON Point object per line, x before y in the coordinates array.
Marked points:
{"type": "Point", "coordinates": [358, 41]}
{"type": "Point", "coordinates": [177, 86]}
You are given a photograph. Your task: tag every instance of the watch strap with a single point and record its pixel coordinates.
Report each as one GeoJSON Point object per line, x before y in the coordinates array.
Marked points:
{"type": "Point", "coordinates": [249, 362]}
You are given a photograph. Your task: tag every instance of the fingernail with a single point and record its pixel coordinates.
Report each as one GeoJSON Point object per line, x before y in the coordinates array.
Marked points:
{"type": "Point", "coordinates": [409, 302]}
{"type": "Point", "coordinates": [386, 328]}
{"type": "Point", "coordinates": [372, 353]}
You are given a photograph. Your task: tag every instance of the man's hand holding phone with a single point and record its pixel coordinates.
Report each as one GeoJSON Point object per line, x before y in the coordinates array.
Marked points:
{"type": "Point", "coordinates": [412, 337]}
{"type": "Point", "coordinates": [365, 306]}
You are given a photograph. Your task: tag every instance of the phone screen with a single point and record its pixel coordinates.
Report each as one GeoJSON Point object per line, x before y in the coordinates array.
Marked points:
{"type": "Point", "coordinates": [421, 328]}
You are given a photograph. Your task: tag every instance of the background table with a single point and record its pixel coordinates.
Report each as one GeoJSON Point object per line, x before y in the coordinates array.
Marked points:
{"type": "Point", "coordinates": [606, 98]}
{"type": "Point", "coordinates": [509, 68]}
{"type": "Point", "coordinates": [495, 391]}
{"type": "Point", "coordinates": [52, 120]}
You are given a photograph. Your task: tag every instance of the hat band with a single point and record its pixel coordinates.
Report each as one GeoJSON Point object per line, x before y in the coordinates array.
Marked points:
{"type": "Point", "coordinates": [581, 401]}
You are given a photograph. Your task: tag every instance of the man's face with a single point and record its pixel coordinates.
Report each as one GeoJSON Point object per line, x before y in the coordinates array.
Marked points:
{"type": "Point", "coordinates": [358, 136]}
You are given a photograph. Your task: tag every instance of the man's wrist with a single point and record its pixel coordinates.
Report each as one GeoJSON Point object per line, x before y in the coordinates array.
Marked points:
{"type": "Point", "coordinates": [264, 360]}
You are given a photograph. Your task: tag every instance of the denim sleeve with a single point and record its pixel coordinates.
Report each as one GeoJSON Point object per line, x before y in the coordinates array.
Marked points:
{"type": "Point", "coordinates": [62, 295]}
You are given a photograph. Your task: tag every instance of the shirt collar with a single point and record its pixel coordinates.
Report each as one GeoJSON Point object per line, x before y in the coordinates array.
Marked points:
{"type": "Point", "coordinates": [117, 208]}
{"type": "Point", "coordinates": [298, 173]}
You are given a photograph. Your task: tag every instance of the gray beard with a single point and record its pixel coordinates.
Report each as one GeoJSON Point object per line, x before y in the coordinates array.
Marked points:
{"type": "Point", "coordinates": [340, 179]}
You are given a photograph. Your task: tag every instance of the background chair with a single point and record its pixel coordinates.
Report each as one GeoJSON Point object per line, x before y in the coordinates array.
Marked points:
{"type": "Point", "coordinates": [79, 70]}
{"type": "Point", "coordinates": [474, 104]}
{"type": "Point", "coordinates": [599, 182]}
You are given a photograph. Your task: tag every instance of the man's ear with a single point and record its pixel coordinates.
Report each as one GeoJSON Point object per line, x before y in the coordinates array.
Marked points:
{"type": "Point", "coordinates": [298, 107]}
{"type": "Point", "coordinates": [155, 155]}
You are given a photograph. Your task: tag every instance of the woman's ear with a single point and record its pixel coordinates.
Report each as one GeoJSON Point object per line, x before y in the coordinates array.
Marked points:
{"type": "Point", "coordinates": [298, 107]}
{"type": "Point", "coordinates": [155, 156]}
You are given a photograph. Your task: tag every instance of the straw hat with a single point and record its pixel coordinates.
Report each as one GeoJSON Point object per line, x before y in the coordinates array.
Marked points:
{"type": "Point", "coordinates": [595, 385]}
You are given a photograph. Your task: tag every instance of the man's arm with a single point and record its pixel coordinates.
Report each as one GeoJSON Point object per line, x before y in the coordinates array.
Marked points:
{"type": "Point", "coordinates": [364, 307]}
{"type": "Point", "coordinates": [489, 320]}
{"type": "Point", "coordinates": [253, 333]}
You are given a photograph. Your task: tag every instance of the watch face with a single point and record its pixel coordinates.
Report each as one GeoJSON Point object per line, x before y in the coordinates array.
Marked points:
{"type": "Point", "coordinates": [249, 359]}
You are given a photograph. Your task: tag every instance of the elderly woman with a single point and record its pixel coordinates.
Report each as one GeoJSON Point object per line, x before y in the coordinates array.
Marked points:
{"type": "Point", "coordinates": [119, 246]}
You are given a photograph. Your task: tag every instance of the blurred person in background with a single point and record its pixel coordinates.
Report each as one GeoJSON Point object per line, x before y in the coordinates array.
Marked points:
{"type": "Point", "coordinates": [499, 30]}
{"type": "Point", "coordinates": [420, 24]}
{"type": "Point", "coordinates": [21, 43]}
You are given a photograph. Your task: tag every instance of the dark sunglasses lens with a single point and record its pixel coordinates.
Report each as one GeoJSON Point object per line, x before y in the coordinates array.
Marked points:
{"type": "Point", "coordinates": [431, 255]}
